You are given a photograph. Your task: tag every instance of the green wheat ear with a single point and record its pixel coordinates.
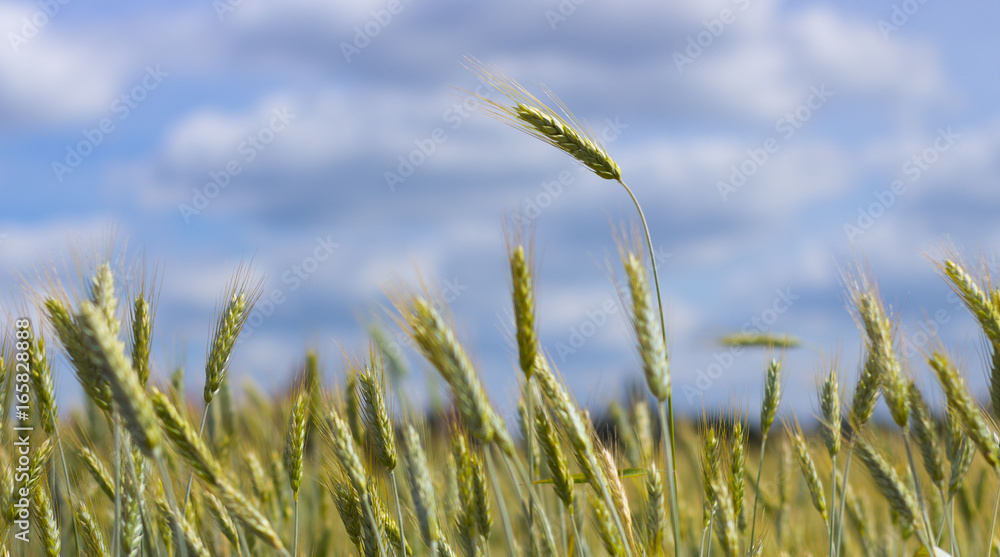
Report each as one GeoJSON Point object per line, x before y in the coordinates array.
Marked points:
{"type": "Point", "coordinates": [537, 119]}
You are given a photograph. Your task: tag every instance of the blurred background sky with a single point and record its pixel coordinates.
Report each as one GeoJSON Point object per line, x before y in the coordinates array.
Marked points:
{"type": "Point", "coordinates": [771, 143]}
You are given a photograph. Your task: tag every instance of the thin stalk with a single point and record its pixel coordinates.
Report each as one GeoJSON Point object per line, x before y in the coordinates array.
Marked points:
{"type": "Point", "coordinates": [399, 515]}
{"type": "Point", "coordinates": [920, 493]}
{"type": "Point", "coordinates": [669, 458]}
{"type": "Point", "coordinates": [508, 531]}
{"type": "Point", "coordinates": [172, 501]}
{"type": "Point", "coordinates": [951, 526]}
{"type": "Point", "coordinates": [62, 455]}
{"type": "Point", "coordinates": [373, 524]}
{"type": "Point", "coordinates": [756, 488]}
{"type": "Point", "coordinates": [295, 527]}
{"type": "Point", "coordinates": [843, 499]}
{"type": "Point", "coordinates": [993, 522]}
{"type": "Point", "coordinates": [201, 431]}
{"type": "Point", "coordinates": [118, 487]}
{"type": "Point", "coordinates": [669, 403]}
{"type": "Point", "coordinates": [531, 457]}
{"type": "Point", "coordinates": [706, 544]}
{"type": "Point", "coordinates": [562, 530]}
{"type": "Point", "coordinates": [833, 502]}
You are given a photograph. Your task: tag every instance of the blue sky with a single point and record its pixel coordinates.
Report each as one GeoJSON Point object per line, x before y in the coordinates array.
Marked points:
{"type": "Point", "coordinates": [756, 133]}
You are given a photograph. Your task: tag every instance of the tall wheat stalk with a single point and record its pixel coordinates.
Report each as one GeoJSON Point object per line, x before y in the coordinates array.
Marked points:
{"type": "Point", "coordinates": [565, 132]}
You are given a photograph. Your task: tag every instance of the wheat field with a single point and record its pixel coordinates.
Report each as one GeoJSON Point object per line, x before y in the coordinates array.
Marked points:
{"type": "Point", "coordinates": [356, 468]}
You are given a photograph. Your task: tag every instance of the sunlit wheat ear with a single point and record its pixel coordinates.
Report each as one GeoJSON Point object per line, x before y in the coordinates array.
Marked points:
{"type": "Point", "coordinates": [562, 481]}
{"type": "Point", "coordinates": [535, 118]}
{"type": "Point", "coordinates": [570, 421]}
{"type": "Point", "coordinates": [523, 296]}
{"type": "Point", "coordinates": [925, 434]}
{"type": "Point", "coordinates": [238, 300]}
{"type": "Point", "coordinates": [438, 343]}
{"type": "Point", "coordinates": [960, 451]}
{"type": "Point", "coordinates": [961, 403]}
{"type": "Point", "coordinates": [98, 471]}
{"type": "Point", "coordinates": [93, 540]}
{"type": "Point", "coordinates": [222, 518]}
{"type": "Point", "coordinates": [986, 311]}
{"type": "Point", "coordinates": [102, 295]}
{"type": "Point", "coordinates": [878, 328]}
{"type": "Point", "coordinates": [347, 453]}
{"type": "Point", "coordinates": [709, 469]}
{"type": "Point", "coordinates": [94, 384]}
{"type": "Point", "coordinates": [195, 545]}
{"type": "Point", "coordinates": [45, 520]}
{"type": "Point", "coordinates": [376, 416]}
{"type": "Point", "coordinates": [891, 486]}
{"type": "Point", "coordinates": [43, 388]}
{"type": "Point", "coordinates": [829, 403]}
{"type": "Point", "coordinates": [644, 317]}
{"type": "Point", "coordinates": [107, 354]}
{"type": "Point", "coordinates": [618, 496]}
{"type": "Point", "coordinates": [656, 519]}
{"type": "Point", "coordinates": [295, 441]}
{"type": "Point", "coordinates": [725, 520]}
{"type": "Point", "coordinates": [606, 530]}
{"type": "Point", "coordinates": [808, 469]}
{"type": "Point", "coordinates": [142, 329]}
{"type": "Point", "coordinates": [421, 487]}
{"type": "Point", "coordinates": [196, 455]}
{"type": "Point", "coordinates": [772, 395]}
{"type": "Point", "coordinates": [349, 507]}
{"type": "Point", "coordinates": [737, 469]}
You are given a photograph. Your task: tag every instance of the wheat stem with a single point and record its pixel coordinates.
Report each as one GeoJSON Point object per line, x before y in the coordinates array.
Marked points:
{"type": "Point", "coordinates": [508, 531]}
{"type": "Point", "coordinates": [993, 521]}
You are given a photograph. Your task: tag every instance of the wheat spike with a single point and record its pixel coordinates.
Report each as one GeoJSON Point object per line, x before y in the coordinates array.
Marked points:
{"type": "Point", "coordinates": [535, 118]}
{"type": "Point", "coordinates": [295, 441]}
{"type": "Point", "coordinates": [645, 321]}
{"type": "Point", "coordinates": [523, 296]}
{"type": "Point", "coordinates": [107, 355]}
{"type": "Point", "coordinates": [925, 434]}
{"type": "Point", "coordinates": [829, 403]}
{"type": "Point", "coordinates": [961, 403]}
{"type": "Point", "coordinates": [891, 487]}
{"type": "Point", "coordinates": [439, 345]}
{"type": "Point", "coordinates": [809, 470]}
{"type": "Point", "coordinates": [45, 519]}
{"type": "Point", "coordinates": [562, 482]}
{"type": "Point", "coordinates": [421, 486]}
{"type": "Point", "coordinates": [376, 415]}
{"type": "Point", "coordinates": [772, 396]}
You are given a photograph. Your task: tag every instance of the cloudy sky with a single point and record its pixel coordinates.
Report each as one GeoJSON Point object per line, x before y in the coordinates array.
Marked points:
{"type": "Point", "coordinates": [771, 143]}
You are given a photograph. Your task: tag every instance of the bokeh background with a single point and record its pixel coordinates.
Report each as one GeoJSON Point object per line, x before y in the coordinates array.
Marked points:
{"type": "Point", "coordinates": [772, 143]}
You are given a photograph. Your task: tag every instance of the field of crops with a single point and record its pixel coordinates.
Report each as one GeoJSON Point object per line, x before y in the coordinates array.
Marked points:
{"type": "Point", "coordinates": [358, 468]}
